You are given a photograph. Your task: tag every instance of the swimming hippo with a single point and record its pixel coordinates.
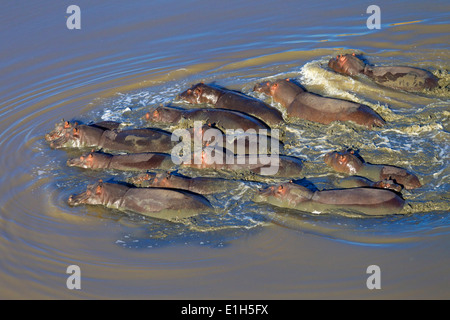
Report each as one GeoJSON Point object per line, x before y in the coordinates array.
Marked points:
{"type": "Point", "coordinates": [403, 78]}
{"type": "Point", "coordinates": [347, 161]}
{"type": "Point", "coordinates": [232, 100]}
{"type": "Point", "coordinates": [127, 162]}
{"type": "Point", "coordinates": [308, 106]}
{"type": "Point", "coordinates": [369, 201]}
{"type": "Point", "coordinates": [238, 142]}
{"type": "Point", "coordinates": [99, 136]}
{"type": "Point", "coordinates": [356, 181]}
{"type": "Point", "coordinates": [280, 166]}
{"type": "Point", "coordinates": [199, 185]}
{"type": "Point", "coordinates": [154, 202]}
{"type": "Point", "coordinates": [64, 127]}
{"type": "Point", "coordinates": [221, 118]}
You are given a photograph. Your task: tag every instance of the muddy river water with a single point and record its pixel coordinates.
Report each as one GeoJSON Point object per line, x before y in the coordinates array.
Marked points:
{"type": "Point", "coordinates": [131, 56]}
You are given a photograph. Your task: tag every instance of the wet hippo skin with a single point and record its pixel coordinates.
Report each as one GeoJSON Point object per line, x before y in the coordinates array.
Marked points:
{"type": "Point", "coordinates": [221, 118]}
{"type": "Point", "coordinates": [396, 77]}
{"type": "Point", "coordinates": [229, 99]}
{"type": "Point", "coordinates": [154, 202]}
{"type": "Point", "coordinates": [369, 201]}
{"type": "Point", "coordinates": [347, 161]}
{"type": "Point", "coordinates": [308, 106]}
{"type": "Point", "coordinates": [109, 137]}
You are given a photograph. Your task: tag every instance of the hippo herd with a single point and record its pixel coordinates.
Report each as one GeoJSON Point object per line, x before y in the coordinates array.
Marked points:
{"type": "Point", "coordinates": [156, 191]}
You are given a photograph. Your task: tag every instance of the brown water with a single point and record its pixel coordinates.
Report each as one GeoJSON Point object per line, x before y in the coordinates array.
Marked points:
{"type": "Point", "coordinates": [132, 56]}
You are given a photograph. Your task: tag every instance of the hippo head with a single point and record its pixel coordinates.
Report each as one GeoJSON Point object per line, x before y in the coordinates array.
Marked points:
{"type": "Point", "coordinates": [93, 195]}
{"type": "Point", "coordinates": [62, 135]}
{"type": "Point", "coordinates": [400, 176]}
{"type": "Point", "coordinates": [92, 160]}
{"type": "Point", "coordinates": [284, 195]}
{"type": "Point", "coordinates": [163, 180]}
{"type": "Point", "coordinates": [347, 64]}
{"type": "Point", "coordinates": [388, 184]}
{"type": "Point", "coordinates": [282, 90]}
{"type": "Point", "coordinates": [61, 128]}
{"type": "Point", "coordinates": [345, 161]}
{"type": "Point", "coordinates": [99, 193]}
{"type": "Point", "coordinates": [201, 93]}
{"type": "Point", "coordinates": [164, 114]}
{"type": "Point", "coordinates": [69, 136]}
{"type": "Point", "coordinates": [143, 179]}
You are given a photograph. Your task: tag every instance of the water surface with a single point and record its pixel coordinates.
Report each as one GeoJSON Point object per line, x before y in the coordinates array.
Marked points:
{"type": "Point", "coordinates": [130, 57]}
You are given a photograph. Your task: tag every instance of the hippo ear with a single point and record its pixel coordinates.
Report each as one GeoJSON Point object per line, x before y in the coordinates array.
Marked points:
{"type": "Point", "coordinates": [99, 188]}
{"type": "Point", "coordinates": [66, 125]}
{"type": "Point", "coordinates": [76, 132]}
{"type": "Point", "coordinates": [189, 91]}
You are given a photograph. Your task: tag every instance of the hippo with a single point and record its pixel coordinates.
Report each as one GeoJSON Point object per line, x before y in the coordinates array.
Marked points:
{"type": "Point", "coordinates": [368, 201]}
{"type": "Point", "coordinates": [221, 118]}
{"type": "Point", "coordinates": [346, 161]}
{"type": "Point", "coordinates": [64, 127]}
{"type": "Point", "coordinates": [109, 138]}
{"type": "Point", "coordinates": [198, 185]}
{"type": "Point", "coordinates": [238, 142]}
{"type": "Point", "coordinates": [127, 162]}
{"type": "Point", "coordinates": [280, 166]}
{"type": "Point", "coordinates": [396, 77]}
{"type": "Point", "coordinates": [153, 202]}
{"type": "Point", "coordinates": [308, 106]}
{"type": "Point", "coordinates": [232, 100]}
{"type": "Point", "coordinates": [357, 181]}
